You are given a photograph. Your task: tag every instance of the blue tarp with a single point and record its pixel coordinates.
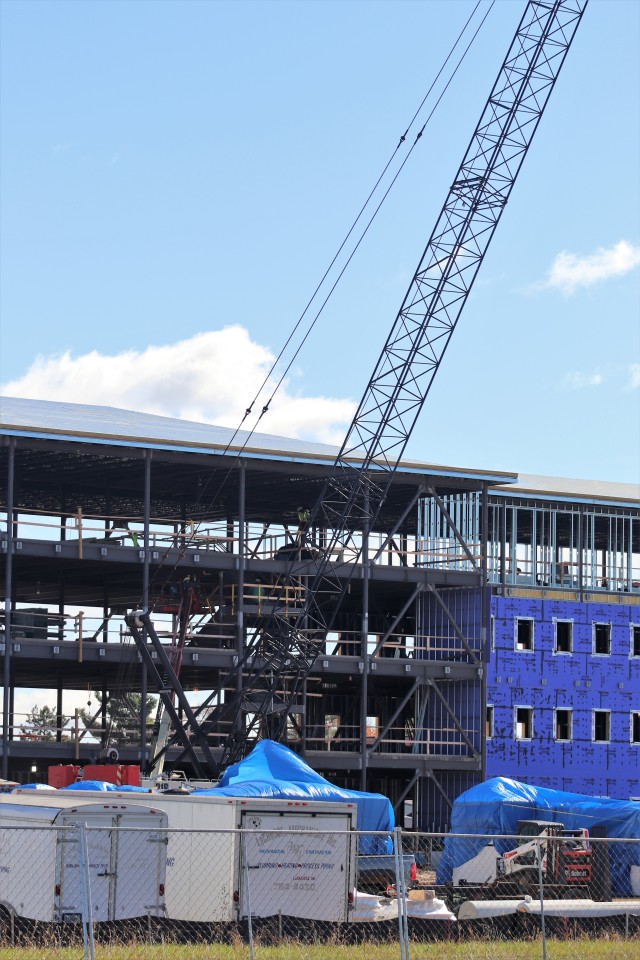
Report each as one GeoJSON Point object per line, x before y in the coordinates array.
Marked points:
{"type": "Point", "coordinates": [104, 785]}
{"type": "Point", "coordinates": [495, 807]}
{"type": "Point", "coordinates": [272, 770]}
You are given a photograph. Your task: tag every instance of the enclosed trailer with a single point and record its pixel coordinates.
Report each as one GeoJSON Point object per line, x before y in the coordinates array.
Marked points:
{"type": "Point", "coordinates": [41, 862]}
{"type": "Point", "coordinates": [228, 856]}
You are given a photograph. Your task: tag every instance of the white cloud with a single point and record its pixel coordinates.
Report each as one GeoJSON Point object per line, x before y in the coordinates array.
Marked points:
{"type": "Point", "coordinates": [578, 381]}
{"type": "Point", "coordinates": [211, 377]}
{"type": "Point", "coordinates": [634, 376]}
{"type": "Point", "coordinates": [569, 271]}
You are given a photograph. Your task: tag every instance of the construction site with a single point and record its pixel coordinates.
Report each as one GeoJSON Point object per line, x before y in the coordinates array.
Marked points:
{"type": "Point", "coordinates": [115, 512]}
{"type": "Point", "coordinates": [208, 588]}
{"type": "Point", "coordinates": [263, 691]}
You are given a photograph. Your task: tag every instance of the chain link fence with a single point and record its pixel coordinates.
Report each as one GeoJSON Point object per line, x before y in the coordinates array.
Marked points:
{"type": "Point", "coordinates": [317, 893]}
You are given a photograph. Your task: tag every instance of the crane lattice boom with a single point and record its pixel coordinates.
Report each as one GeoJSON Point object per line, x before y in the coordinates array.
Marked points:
{"type": "Point", "coordinates": [281, 650]}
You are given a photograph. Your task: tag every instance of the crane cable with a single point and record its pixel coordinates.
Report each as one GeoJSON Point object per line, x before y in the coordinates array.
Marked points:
{"type": "Point", "coordinates": [364, 206]}
{"type": "Point", "coordinates": [294, 329]}
{"type": "Point", "coordinates": [369, 224]}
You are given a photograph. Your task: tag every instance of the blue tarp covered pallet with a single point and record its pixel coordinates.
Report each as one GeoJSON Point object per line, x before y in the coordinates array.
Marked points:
{"type": "Point", "coordinates": [495, 807]}
{"type": "Point", "coordinates": [272, 770]}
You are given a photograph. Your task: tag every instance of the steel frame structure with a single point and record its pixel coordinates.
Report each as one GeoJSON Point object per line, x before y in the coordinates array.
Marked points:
{"type": "Point", "coordinates": [281, 651]}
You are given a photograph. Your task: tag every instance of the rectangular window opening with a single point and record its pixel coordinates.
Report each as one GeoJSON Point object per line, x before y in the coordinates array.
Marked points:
{"type": "Point", "coordinates": [331, 728]}
{"type": "Point", "coordinates": [489, 721]}
{"type": "Point", "coordinates": [564, 636]}
{"type": "Point", "coordinates": [524, 723]}
{"type": "Point", "coordinates": [602, 639]}
{"type": "Point", "coordinates": [524, 633]}
{"type": "Point", "coordinates": [635, 640]}
{"type": "Point", "coordinates": [373, 724]}
{"type": "Point", "coordinates": [601, 726]}
{"type": "Point", "coordinates": [635, 726]}
{"type": "Point", "coordinates": [563, 724]}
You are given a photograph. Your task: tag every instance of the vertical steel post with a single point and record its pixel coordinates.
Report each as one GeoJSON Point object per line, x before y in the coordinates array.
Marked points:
{"type": "Point", "coordinates": [76, 734]}
{"type": "Point", "coordinates": [241, 558]}
{"type": "Point", "coordinates": [8, 587]}
{"type": "Point", "coordinates": [247, 898]}
{"type": "Point", "coordinates": [485, 623]}
{"type": "Point", "coordinates": [581, 551]}
{"type": "Point", "coordinates": [541, 886]}
{"type": "Point", "coordinates": [403, 929]}
{"type": "Point", "coordinates": [59, 717]}
{"type": "Point", "coordinates": [145, 602]}
{"type": "Point", "coordinates": [364, 652]}
{"type": "Point", "coordinates": [85, 892]}
{"type": "Point", "coordinates": [242, 480]}
{"type": "Point", "coordinates": [503, 544]}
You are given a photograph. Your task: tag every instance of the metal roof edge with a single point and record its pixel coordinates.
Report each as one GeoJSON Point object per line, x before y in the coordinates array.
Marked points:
{"type": "Point", "coordinates": [565, 498]}
{"type": "Point", "coordinates": [256, 452]}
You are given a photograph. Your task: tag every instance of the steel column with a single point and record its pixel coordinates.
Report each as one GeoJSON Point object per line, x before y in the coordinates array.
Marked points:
{"type": "Point", "coordinates": [8, 588]}
{"type": "Point", "coordinates": [59, 718]}
{"type": "Point", "coordinates": [242, 549]}
{"type": "Point", "coordinates": [148, 454]}
{"type": "Point", "coordinates": [364, 688]}
{"type": "Point", "coordinates": [485, 615]}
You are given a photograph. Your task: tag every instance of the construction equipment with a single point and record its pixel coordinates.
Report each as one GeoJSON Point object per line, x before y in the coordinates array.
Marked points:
{"type": "Point", "coordinates": [257, 696]}
{"type": "Point", "coordinates": [560, 859]}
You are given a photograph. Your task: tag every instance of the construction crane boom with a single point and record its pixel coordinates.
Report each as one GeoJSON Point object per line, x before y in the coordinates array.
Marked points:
{"type": "Point", "coordinates": [353, 495]}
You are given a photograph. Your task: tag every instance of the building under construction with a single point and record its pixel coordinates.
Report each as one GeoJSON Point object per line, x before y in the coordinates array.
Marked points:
{"type": "Point", "coordinates": [441, 613]}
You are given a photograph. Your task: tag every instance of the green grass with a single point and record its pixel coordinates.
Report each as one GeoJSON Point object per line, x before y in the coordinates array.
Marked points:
{"type": "Point", "coordinates": [601, 949]}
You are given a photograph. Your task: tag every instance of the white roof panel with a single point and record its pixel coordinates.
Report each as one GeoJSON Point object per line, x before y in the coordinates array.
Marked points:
{"type": "Point", "coordinates": [82, 422]}
{"type": "Point", "coordinates": [565, 488]}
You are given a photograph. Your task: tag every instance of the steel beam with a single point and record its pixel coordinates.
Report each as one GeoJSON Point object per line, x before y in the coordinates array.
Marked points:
{"type": "Point", "coordinates": [457, 724]}
{"type": "Point", "coordinates": [138, 622]}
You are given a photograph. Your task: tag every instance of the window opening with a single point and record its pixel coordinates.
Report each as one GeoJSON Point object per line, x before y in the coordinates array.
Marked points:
{"type": "Point", "coordinates": [564, 636]}
{"type": "Point", "coordinates": [524, 634]}
{"type": "Point", "coordinates": [489, 721]}
{"type": "Point", "coordinates": [635, 726]}
{"type": "Point", "coordinates": [602, 639]}
{"type": "Point", "coordinates": [635, 640]}
{"type": "Point", "coordinates": [372, 728]}
{"type": "Point", "coordinates": [524, 723]}
{"type": "Point", "coordinates": [563, 724]}
{"type": "Point", "coordinates": [601, 726]}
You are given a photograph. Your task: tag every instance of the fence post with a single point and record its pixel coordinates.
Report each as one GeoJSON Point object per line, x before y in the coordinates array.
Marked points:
{"type": "Point", "coordinates": [401, 894]}
{"type": "Point", "coordinates": [540, 884]}
{"type": "Point", "coordinates": [245, 871]}
{"type": "Point", "coordinates": [85, 892]}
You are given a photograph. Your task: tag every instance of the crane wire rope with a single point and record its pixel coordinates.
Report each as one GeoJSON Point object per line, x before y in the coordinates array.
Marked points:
{"type": "Point", "coordinates": [265, 408]}
{"type": "Point", "coordinates": [366, 229]}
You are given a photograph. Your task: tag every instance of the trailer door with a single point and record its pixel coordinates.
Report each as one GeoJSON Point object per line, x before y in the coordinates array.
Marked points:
{"type": "Point", "coordinates": [126, 866]}
{"type": "Point", "coordinates": [139, 852]}
{"type": "Point", "coordinates": [69, 878]}
{"type": "Point", "coordinates": [297, 864]}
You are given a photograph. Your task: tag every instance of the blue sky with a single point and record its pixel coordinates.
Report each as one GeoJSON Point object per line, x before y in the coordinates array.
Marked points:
{"type": "Point", "coordinates": [175, 177]}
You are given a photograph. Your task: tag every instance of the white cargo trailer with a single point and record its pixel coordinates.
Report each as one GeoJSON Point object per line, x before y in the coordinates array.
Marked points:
{"type": "Point", "coordinates": [294, 857]}
{"type": "Point", "coordinates": [40, 862]}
